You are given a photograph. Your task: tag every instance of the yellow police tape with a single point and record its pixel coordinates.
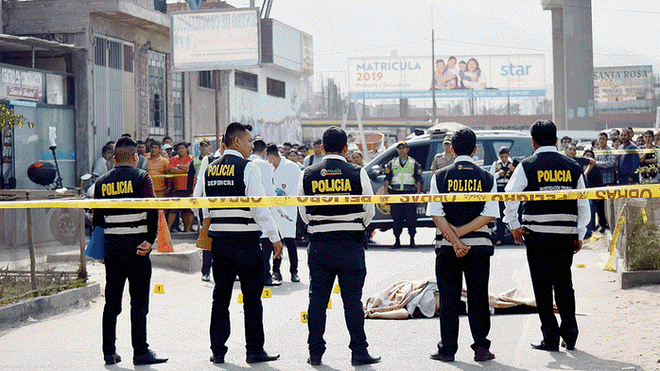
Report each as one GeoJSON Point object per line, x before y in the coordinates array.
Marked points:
{"type": "Point", "coordinates": [624, 151]}
{"type": "Point", "coordinates": [167, 175]}
{"type": "Point", "coordinates": [615, 236]}
{"type": "Point", "coordinates": [620, 192]}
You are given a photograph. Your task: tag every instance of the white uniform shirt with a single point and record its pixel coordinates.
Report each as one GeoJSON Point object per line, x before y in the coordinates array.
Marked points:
{"type": "Point", "coordinates": [286, 177]}
{"type": "Point", "coordinates": [518, 182]}
{"type": "Point", "coordinates": [253, 188]}
{"type": "Point", "coordinates": [267, 180]}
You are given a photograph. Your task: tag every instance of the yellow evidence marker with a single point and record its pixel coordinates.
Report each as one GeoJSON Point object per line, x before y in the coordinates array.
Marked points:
{"type": "Point", "coordinates": [303, 317]}
{"type": "Point", "coordinates": [240, 298]}
{"type": "Point", "coordinates": [336, 290]}
{"type": "Point", "coordinates": [159, 289]}
{"type": "Point", "coordinates": [329, 303]}
{"type": "Point", "coordinates": [266, 293]}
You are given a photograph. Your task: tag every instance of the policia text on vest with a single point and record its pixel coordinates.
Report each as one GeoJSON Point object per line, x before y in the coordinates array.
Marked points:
{"type": "Point", "coordinates": [236, 245]}
{"type": "Point", "coordinates": [335, 245]}
{"type": "Point", "coordinates": [463, 247]}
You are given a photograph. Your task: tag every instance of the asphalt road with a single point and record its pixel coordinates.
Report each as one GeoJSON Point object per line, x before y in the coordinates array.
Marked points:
{"type": "Point", "coordinates": [179, 323]}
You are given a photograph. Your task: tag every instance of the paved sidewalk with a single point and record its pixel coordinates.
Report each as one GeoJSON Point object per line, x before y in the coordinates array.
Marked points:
{"type": "Point", "coordinates": [179, 324]}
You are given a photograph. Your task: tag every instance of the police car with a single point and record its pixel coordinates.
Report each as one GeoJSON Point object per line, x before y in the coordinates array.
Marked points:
{"type": "Point", "coordinates": [424, 146]}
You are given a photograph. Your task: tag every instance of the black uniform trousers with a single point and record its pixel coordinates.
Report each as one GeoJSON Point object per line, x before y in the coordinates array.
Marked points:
{"type": "Point", "coordinates": [292, 251]}
{"type": "Point", "coordinates": [449, 271]}
{"type": "Point", "coordinates": [237, 254]}
{"type": "Point", "coordinates": [267, 248]}
{"type": "Point", "coordinates": [123, 263]}
{"type": "Point", "coordinates": [328, 259]}
{"type": "Point", "coordinates": [550, 257]}
{"type": "Point", "coordinates": [399, 213]}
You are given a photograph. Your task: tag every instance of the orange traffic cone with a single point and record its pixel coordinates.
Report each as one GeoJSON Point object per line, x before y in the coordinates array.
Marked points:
{"type": "Point", "coordinates": [164, 239]}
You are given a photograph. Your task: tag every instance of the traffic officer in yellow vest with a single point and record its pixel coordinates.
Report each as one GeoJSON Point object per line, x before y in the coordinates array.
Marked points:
{"type": "Point", "coordinates": [236, 247]}
{"type": "Point", "coordinates": [403, 175]}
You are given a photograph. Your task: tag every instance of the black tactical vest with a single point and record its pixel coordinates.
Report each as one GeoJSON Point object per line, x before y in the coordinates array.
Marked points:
{"type": "Point", "coordinates": [225, 178]}
{"type": "Point", "coordinates": [551, 171]}
{"type": "Point", "coordinates": [122, 182]}
{"type": "Point", "coordinates": [465, 177]}
{"type": "Point", "coordinates": [333, 177]}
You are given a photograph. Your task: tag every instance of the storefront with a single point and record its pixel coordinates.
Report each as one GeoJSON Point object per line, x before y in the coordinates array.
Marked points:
{"type": "Point", "coordinates": [39, 85]}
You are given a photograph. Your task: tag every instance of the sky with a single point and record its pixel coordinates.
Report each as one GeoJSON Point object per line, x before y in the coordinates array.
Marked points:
{"type": "Point", "coordinates": [624, 32]}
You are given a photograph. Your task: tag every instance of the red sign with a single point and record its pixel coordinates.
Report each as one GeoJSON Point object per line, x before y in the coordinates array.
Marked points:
{"type": "Point", "coordinates": [23, 93]}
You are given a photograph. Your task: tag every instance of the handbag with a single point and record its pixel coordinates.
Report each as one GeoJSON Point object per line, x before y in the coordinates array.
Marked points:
{"type": "Point", "coordinates": [95, 247]}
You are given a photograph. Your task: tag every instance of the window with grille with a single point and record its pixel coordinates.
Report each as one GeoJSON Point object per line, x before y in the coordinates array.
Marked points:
{"type": "Point", "coordinates": [157, 92]}
{"type": "Point", "coordinates": [177, 104]}
{"type": "Point", "coordinates": [100, 51]}
{"type": "Point", "coordinates": [275, 88]}
{"type": "Point", "coordinates": [246, 80]}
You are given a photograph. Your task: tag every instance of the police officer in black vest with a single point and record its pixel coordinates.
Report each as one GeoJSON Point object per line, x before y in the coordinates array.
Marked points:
{"type": "Point", "coordinates": [551, 230]}
{"type": "Point", "coordinates": [463, 247]}
{"type": "Point", "coordinates": [502, 170]}
{"type": "Point", "coordinates": [236, 247]}
{"type": "Point", "coordinates": [335, 248]}
{"type": "Point", "coordinates": [128, 237]}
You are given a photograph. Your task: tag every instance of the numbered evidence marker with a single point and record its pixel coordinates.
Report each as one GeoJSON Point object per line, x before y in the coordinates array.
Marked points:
{"type": "Point", "coordinates": [303, 317]}
{"type": "Point", "coordinates": [336, 289]}
{"type": "Point", "coordinates": [266, 293]}
{"type": "Point", "coordinates": [159, 289]}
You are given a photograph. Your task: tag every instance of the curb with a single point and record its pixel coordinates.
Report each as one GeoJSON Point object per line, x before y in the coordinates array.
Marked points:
{"type": "Point", "coordinates": [186, 261]}
{"type": "Point", "coordinates": [44, 306]}
{"type": "Point", "coordinates": [630, 279]}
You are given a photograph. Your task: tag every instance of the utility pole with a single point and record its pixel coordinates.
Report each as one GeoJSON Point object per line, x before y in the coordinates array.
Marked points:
{"type": "Point", "coordinates": [435, 107]}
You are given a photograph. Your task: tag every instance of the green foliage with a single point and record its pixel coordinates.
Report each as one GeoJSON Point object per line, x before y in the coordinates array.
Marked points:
{"type": "Point", "coordinates": [9, 119]}
{"type": "Point", "coordinates": [643, 245]}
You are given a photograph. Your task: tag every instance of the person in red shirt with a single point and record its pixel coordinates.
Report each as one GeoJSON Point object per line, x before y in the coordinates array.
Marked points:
{"type": "Point", "coordinates": [179, 165]}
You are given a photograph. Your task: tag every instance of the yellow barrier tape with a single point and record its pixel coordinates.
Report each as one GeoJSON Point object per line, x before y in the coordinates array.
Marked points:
{"type": "Point", "coordinates": [167, 175]}
{"type": "Point", "coordinates": [621, 192]}
{"type": "Point", "coordinates": [624, 151]}
{"type": "Point", "coordinates": [615, 236]}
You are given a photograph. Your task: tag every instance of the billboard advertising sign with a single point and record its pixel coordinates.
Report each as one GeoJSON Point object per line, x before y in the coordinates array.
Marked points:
{"type": "Point", "coordinates": [217, 39]}
{"type": "Point", "coordinates": [626, 87]}
{"type": "Point", "coordinates": [449, 76]}
{"type": "Point", "coordinates": [307, 54]}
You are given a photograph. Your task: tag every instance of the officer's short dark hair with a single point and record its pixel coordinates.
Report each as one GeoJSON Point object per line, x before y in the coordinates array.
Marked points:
{"type": "Point", "coordinates": [234, 130]}
{"type": "Point", "coordinates": [317, 142]}
{"type": "Point", "coordinates": [259, 145]}
{"type": "Point", "coordinates": [603, 133]}
{"type": "Point", "coordinates": [108, 148]}
{"type": "Point", "coordinates": [125, 148]}
{"type": "Point", "coordinates": [544, 132]}
{"type": "Point", "coordinates": [463, 142]}
{"type": "Point", "coordinates": [127, 135]}
{"type": "Point", "coordinates": [650, 132]}
{"type": "Point", "coordinates": [504, 150]}
{"type": "Point", "coordinates": [271, 149]}
{"type": "Point", "coordinates": [140, 142]}
{"type": "Point", "coordinates": [334, 139]}
{"type": "Point", "coordinates": [566, 137]}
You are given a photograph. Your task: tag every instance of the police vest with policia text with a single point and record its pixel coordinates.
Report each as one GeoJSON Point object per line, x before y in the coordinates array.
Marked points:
{"type": "Point", "coordinates": [225, 177]}
{"type": "Point", "coordinates": [333, 177]}
{"type": "Point", "coordinates": [551, 171]}
{"type": "Point", "coordinates": [122, 182]}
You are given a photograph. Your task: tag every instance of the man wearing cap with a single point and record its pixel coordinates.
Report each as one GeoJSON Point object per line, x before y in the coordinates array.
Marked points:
{"type": "Point", "coordinates": [403, 175]}
{"type": "Point", "coordinates": [502, 170]}
{"type": "Point", "coordinates": [445, 158]}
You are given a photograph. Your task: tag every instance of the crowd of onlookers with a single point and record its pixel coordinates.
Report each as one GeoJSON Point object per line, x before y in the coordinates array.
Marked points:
{"type": "Point", "coordinates": [173, 167]}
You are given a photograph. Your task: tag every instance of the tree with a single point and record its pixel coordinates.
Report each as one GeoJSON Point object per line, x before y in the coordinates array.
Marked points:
{"type": "Point", "coordinates": [9, 120]}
